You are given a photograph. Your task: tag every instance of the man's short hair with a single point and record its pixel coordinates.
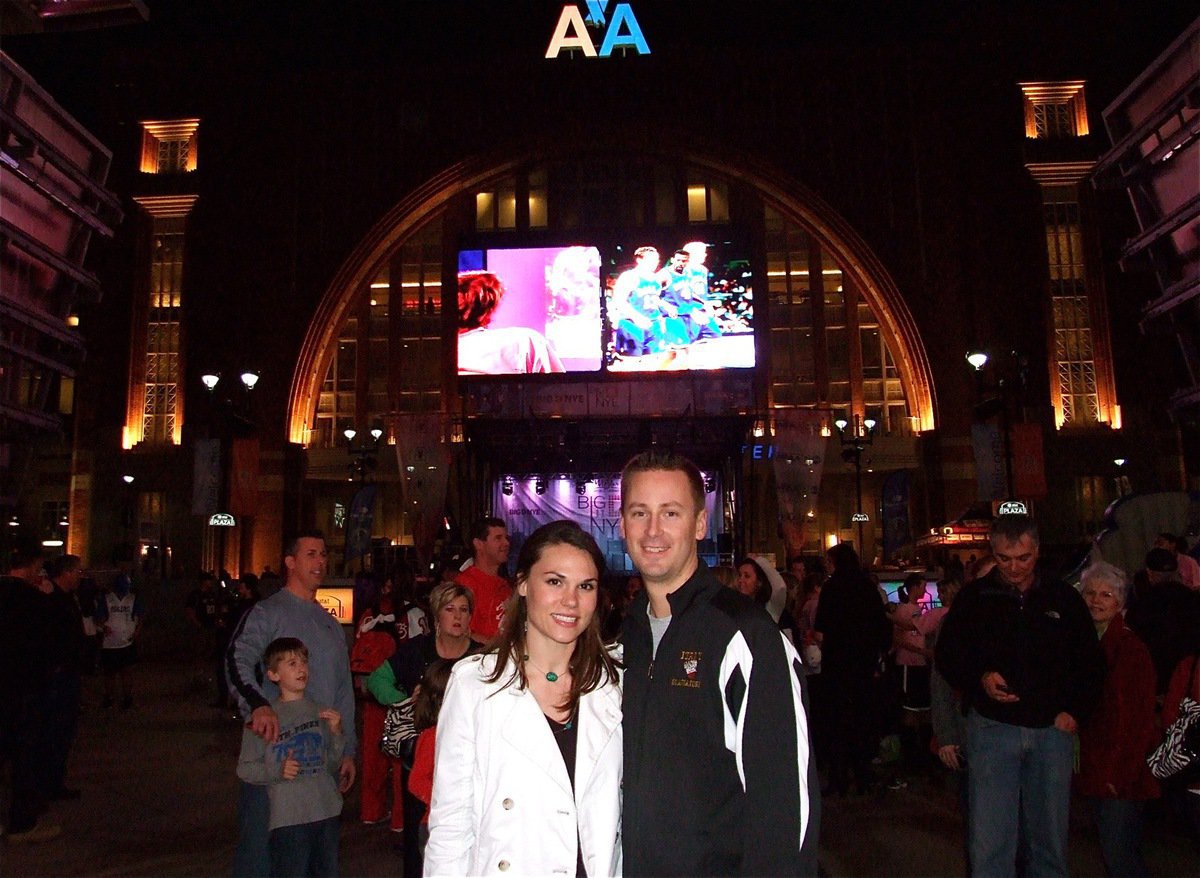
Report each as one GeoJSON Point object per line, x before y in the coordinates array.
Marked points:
{"type": "Point", "coordinates": [1011, 528]}
{"type": "Point", "coordinates": [26, 552]}
{"type": "Point", "coordinates": [481, 528]}
{"type": "Point", "coordinates": [294, 546]}
{"type": "Point", "coordinates": [664, 461]}
{"type": "Point", "coordinates": [62, 565]}
{"type": "Point", "coordinates": [1161, 561]}
{"type": "Point", "coordinates": [280, 648]}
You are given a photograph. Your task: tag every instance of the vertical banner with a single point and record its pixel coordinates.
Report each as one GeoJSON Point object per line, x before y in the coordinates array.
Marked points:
{"type": "Point", "coordinates": [988, 445]}
{"type": "Point", "coordinates": [243, 477]}
{"type": "Point", "coordinates": [897, 529]}
{"type": "Point", "coordinates": [1029, 463]}
{"type": "Point", "coordinates": [799, 459]}
{"type": "Point", "coordinates": [206, 476]}
{"type": "Point", "coordinates": [424, 465]}
{"type": "Point", "coordinates": [359, 521]}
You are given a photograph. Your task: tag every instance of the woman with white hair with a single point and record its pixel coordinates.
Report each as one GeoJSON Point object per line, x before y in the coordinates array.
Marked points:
{"type": "Point", "coordinates": [1115, 740]}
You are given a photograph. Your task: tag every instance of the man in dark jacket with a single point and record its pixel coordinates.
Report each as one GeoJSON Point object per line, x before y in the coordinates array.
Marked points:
{"type": "Point", "coordinates": [68, 646]}
{"type": "Point", "coordinates": [25, 667]}
{"type": "Point", "coordinates": [717, 768]}
{"type": "Point", "coordinates": [1165, 614]}
{"type": "Point", "coordinates": [1024, 653]}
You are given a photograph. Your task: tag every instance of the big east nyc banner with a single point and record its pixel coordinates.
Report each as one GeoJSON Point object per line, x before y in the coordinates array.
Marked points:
{"type": "Point", "coordinates": [597, 509]}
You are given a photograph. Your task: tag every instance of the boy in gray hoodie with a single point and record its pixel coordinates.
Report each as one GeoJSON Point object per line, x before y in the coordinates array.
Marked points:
{"type": "Point", "coordinates": [300, 769]}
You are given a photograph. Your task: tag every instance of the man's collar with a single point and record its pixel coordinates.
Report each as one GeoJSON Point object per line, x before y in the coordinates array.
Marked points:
{"type": "Point", "coordinates": [300, 597]}
{"type": "Point", "coordinates": [681, 598]}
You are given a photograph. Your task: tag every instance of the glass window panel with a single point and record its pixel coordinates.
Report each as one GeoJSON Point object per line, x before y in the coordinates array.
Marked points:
{"type": "Point", "coordinates": [872, 353]}
{"type": "Point", "coordinates": [718, 196]}
{"type": "Point", "coordinates": [485, 206]}
{"type": "Point", "coordinates": [838, 353]}
{"type": "Point", "coordinates": [835, 309]}
{"type": "Point", "coordinates": [785, 394]}
{"type": "Point", "coordinates": [347, 351]}
{"type": "Point", "coordinates": [697, 202]}
{"type": "Point", "coordinates": [507, 218]}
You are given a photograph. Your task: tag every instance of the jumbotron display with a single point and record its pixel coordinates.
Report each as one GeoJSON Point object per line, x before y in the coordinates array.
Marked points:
{"type": "Point", "coordinates": [660, 307]}
{"type": "Point", "coordinates": [678, 307]}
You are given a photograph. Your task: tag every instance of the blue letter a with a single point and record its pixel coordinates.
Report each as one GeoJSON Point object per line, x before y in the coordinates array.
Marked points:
{"type": "Point", "coordinates": [623, 15]}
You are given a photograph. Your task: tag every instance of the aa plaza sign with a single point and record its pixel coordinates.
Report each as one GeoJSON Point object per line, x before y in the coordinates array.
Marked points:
{"type": "Point", "coordinates": [618, 31]}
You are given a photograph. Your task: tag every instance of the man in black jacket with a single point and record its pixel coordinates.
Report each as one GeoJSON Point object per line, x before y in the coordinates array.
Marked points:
{"type": "Point", "coordinates": [1024, 652]}
{"type": "Point", "coordinates": [25, 669]}
{"type": "Point", "coordinates": [717, 768]}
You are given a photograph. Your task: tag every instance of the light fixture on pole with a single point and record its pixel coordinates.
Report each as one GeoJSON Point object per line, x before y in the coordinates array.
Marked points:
{"type": "Point", "coordinates": [1124, 488]}
{"type": "Point", "coordinates": [855, 436]}
{"type": "Point", "coordinates": [365, 455]}
{"type": "Point", "coordinates": [249, 379]}
{"type": "Point", "coordinates": [997, 403]}
{"type": "Point", "coordinates": [210, 380]}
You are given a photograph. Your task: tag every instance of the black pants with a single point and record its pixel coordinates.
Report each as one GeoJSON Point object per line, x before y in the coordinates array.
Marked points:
{"type": "Point", "coordinates": [22, 726]}
{"type": "Point", "coordinates": [61, 721]}
{"type": "Point", "coordinates": [853, 741]}
{"type": "Point", "coordinates": [414, 812]}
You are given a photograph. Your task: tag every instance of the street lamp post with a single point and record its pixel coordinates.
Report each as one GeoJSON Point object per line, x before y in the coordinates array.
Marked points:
{"type": "Point", "coordinates": [855, 436]}
{"type": "Point", "coordinates": [364, 458]}
{"type": "Point", "coordinates": [997, 404]}
{"type": "Point", "coordinates": [226, 420]}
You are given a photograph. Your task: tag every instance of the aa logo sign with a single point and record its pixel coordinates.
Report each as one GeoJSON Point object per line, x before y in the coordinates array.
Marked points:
{"type": "Point", "coordinates": [574, 32]}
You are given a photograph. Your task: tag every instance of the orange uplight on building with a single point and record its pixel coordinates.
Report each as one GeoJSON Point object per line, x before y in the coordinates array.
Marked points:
{"type": "Point", "coordinates": [169, 147]}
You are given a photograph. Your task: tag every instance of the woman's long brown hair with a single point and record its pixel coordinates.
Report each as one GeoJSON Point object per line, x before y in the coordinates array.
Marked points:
{"type": "Point", "coordinates": [591, 665]}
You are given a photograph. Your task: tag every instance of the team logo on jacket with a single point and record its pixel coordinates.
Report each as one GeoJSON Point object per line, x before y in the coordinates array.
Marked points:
{"type": "Point", "coordinates": [691, 664]}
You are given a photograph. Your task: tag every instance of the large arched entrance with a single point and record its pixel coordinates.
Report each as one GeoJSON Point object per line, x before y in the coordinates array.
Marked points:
{"type": "Point", "coordinates": [841, 339]}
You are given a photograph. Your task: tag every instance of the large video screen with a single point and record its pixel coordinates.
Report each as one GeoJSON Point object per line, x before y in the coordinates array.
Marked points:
{"type": "Point", "coordinates": [531, 309]}
{"type": "Point", "coordinates": [646, 305]}
{"type": "Point", "coordinates": [678, 305]}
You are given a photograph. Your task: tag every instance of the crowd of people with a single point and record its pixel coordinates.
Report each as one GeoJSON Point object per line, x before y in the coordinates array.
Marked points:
{"type": "Point", "coordinates": [711, 707]}
{"type": "Point", "coordinates": [56, 627]}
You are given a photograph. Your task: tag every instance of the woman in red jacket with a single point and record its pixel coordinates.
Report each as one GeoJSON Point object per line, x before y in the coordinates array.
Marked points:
{"type": "Point", "coordinates": [1115, 740]}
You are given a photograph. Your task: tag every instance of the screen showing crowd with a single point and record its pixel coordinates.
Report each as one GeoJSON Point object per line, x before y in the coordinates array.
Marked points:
{"type": "Point", "coordinates": [660, 308]}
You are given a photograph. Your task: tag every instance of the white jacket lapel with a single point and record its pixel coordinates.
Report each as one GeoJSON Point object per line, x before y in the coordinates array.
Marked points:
{"type": "Point", "coordinates": [528, 733]}
{"type": "Point", "coordinates": [599, 719]}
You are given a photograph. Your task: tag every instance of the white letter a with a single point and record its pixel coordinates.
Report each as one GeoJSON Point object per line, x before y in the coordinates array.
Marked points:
{"type": "Point", "coordinates": [571, 22]}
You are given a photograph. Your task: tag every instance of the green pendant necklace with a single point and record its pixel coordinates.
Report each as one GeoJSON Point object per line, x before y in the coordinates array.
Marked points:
{"type": "Point", "coordinates": [550, 675]}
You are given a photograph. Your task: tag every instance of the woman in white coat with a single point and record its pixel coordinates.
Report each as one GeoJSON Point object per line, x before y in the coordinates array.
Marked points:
{"type": "Point", "coordinates": [527, 772]}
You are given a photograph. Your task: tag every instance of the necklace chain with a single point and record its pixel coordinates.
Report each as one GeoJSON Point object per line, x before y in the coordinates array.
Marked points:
{"type": "Point", "coordinates": [550, 675]}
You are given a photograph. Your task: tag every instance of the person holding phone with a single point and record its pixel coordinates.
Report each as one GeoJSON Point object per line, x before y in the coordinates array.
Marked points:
{"type": "Point", "coordinates": [1023, 650]}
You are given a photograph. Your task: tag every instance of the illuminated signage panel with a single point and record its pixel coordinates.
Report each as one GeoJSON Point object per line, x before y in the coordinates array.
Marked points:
{"type": "Point", "coordinates": [573, 32]}
{"type": "Point", "coordinates": [338, 602]}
